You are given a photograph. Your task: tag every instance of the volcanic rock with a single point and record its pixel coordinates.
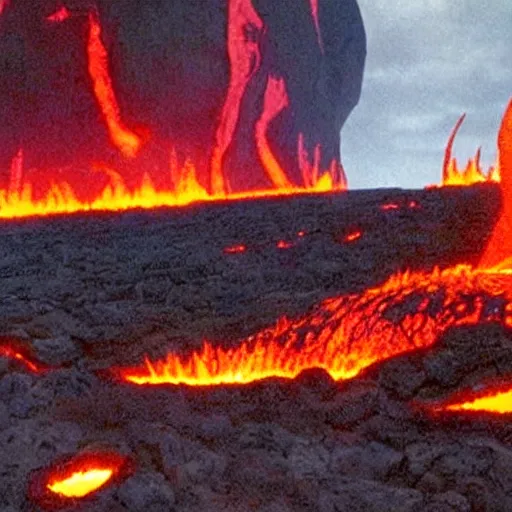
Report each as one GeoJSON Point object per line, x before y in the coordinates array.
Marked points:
{"type": "Point", "coordinates": [309, 444]}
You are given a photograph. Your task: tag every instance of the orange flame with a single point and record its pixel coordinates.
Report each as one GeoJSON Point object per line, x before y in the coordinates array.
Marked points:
{"type": "Point", "coordinates": [125, 140]}
{"type": "Point", "coordinates": [11, 349]}
{"type": "Point", "coordinates": [343, 335]}
{"type": "Point", "coordinates": [473, 173]}
{"type": "Point", "coordinates": [77, 477]}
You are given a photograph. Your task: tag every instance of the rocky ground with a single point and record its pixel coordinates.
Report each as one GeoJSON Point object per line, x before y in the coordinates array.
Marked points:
{"type": "Point", "coordinates": [90, 291]}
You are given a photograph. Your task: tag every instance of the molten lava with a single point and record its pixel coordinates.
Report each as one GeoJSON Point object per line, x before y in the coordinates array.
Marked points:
{"type": "Point", "coordinates": [81, 483]}
{"type": "Point", "coordinates": [77, 477]}
{"type": "Point", "coordinates": [498, 253]}
{"type": "Point", "coordinates": [472, 173]}
{"type": "Point", "coordinates": [345, 335]}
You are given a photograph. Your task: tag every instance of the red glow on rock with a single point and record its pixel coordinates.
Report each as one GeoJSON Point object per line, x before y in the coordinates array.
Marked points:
{"type": "Point", "coordinates": [62, 14]}
{"type": "Point", "coordinates": [316, 20]}
{"type": "Point", "coordinates": [390, 206]}
{"type": "Point", "coordinates": [413, 204]}
{"type": "Point", "coordinates": [244, 58]}
{"type": "Point", "coordinates": [283, 244]}
{"type": "Point", "coordinates": [77, 477]}
{"type": "Point", "coordinates": [342, 335]}
{"type": "Point", "coordinates": [301, 234]}
{"type": "Point", "coordinates": [3, 5]}
{"type": "Point", "coordinates": [235, 249]}
{"type": "Point", "coordinates": [98, 65]}
{"type": "Point", "coordinates": [18, 352]}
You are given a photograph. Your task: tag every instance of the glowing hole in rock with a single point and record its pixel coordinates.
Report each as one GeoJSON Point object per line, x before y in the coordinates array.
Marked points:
{"type": "Point", "coordinates": [77, 477]}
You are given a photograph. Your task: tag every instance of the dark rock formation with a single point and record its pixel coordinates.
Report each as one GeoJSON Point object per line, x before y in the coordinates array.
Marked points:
{"type": "Point", "coordinates": [174, 65]}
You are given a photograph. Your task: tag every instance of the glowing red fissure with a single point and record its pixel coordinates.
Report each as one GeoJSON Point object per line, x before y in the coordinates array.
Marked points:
{"type": "Point", "coordinates": [16, 352]}
{"type": "Point", "coordinates": [98, 66]}
{"type": "Point", "coordinates": [244, 59]}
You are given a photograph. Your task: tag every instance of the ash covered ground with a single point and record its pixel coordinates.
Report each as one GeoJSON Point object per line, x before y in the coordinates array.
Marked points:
{"type": "Point", "coordinates": [90, 291]}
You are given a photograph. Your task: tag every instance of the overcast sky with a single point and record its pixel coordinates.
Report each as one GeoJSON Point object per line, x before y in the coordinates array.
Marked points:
{"type": "Point", "coordinates": [428, 62]}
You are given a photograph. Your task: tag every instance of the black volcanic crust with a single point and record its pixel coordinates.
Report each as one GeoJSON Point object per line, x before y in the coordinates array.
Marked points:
{"type": "Point", "coordinates": [90, 291]}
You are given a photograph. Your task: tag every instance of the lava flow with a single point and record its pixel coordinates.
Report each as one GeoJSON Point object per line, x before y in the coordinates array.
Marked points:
{"type": "Point", "coordinates": [344, 335]}
{"type": "Point", "coordinates": [77, 477]}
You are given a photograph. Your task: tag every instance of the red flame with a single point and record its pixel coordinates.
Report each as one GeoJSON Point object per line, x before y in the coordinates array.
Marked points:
{"type": "Point", "coordinates": [62, 14]}
{"type": "Point", "coordinates": [76, 477]}
{"type": "Point", "coordinates": [343, 335]}
{"type": "Point", "coordinates": [16, 351]}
